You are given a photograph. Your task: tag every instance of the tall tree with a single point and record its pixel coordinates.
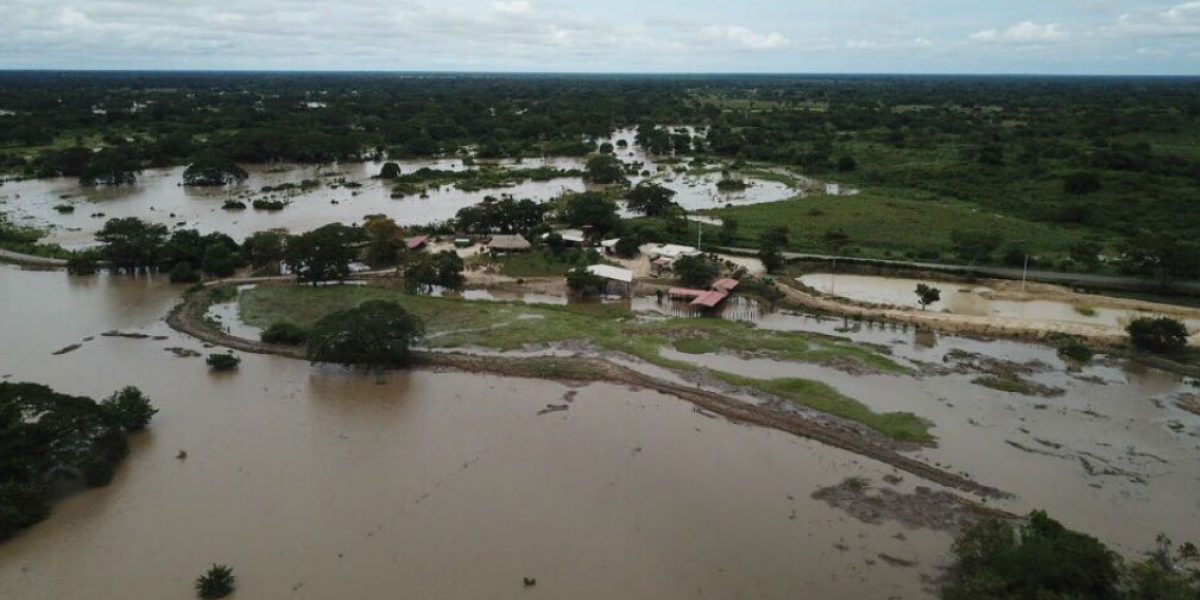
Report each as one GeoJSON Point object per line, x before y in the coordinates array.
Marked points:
{"type": "Point", "coordinates": [323, 254]}
{"type": "Point", "coordinates": [377, 333]}
{"type": "Point", "coordinates": [131, 244]}
{"type": "Point", "coordinates": [650, 199]}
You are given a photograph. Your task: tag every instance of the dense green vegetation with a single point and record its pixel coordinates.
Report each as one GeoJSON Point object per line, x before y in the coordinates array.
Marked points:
{"type": "Point", "coordinates": [1072, 172]}
{"type": "Point", "coordinates": [454, 323]}
{"type": "Point", "coordinates": [25, 240]}
{"type": "Point", "coordinates": [1041, 559]}
{"type": "Point", "coordinates": [47, 438]}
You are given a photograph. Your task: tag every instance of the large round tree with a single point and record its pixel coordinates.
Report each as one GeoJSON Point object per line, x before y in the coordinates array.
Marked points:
{"type": "Point", "coordinates": [376, 333]}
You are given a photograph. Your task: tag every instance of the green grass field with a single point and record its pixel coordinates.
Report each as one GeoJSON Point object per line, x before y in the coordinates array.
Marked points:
{"type": "Point", "coordinates": [456, 323]}
{"type": "Point", "coordinates": [889, 225]}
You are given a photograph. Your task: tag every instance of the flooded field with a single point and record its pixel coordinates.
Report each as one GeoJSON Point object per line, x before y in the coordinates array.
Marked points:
{"type": "Point", "coordinates": [968, 299]}
{"type": "Point", "coordinates": [314, 483]}
{"type": "Point", "coordinates": [159, 197]}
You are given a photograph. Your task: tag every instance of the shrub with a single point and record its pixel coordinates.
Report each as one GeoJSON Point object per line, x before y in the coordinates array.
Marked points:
{"type": "Point", "coordinates": [226, 361]}
{"type": "Point", "coordinates": [1161, 335]}
{"type": "Point", "coordinates": [129, 408]}
{"type": "Point", "coordinates": [83, 263]}
{"type": "Point", "coordinates": [234, 205]}
{"type": "Point", "coordinates": [270, 204]}
{"type": "Point", "coordinates": [217, 582]}
{"type": "Point", "coordinates": [927, 294]}
{"type": "Point", "coordinates": [284, 332]}
{"type": "Point", "coordinates": [1076, 350]}
{"type": "Point", "coordinates": [183, 272]}
{"type": "Point", "coordinates": [583, 282]}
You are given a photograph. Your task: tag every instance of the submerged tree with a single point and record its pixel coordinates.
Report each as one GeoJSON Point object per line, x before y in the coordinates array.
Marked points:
{"type": "Point", "coordinates": [650, 199]}
{"type": "Point", "coordinates": [927, 294]}
{"type": "Point", "coordinates": [131, 244]}
{"type": "Point", "coordinates": [323, 254]}
{"type": "Point", "coordinates": [217, 582]}
{"type": "Point", "coordinates": [604, 169]}
{"type": "Point", "coordinates": [71, 438]}
{"type": "Point", "coordinates": [110, 166]}
{"type": "Point", "coordinates": [213, 169]}
{"type": "Point", "coordinates": [376, 333]}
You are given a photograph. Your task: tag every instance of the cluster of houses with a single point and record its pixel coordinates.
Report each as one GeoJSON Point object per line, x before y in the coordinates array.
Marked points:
{"type": "Point", "coordinates": [618, 281]}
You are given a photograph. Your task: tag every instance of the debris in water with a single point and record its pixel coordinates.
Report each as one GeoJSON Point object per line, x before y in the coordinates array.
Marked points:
{"type": "Point", "coordinates": [182, 455]}
{"type": "Point", "coordinates": [71, 348]}
{"type": "Point", "coordinates": [183, 352]}
{"type": "Point", "coordinates": [529, 581]}
{"type": "Point", "coordinates": [133, 336]}
{"type": "Point", "coordinates": [896, 562]}
{"type": "Point", "coordinates": [553, 408]}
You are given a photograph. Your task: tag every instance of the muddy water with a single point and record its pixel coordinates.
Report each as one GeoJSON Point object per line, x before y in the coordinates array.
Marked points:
{"type": "Point", "coordinates": [1113, 455]}
{"type": "Point", "coordinates": [964, 299]}
{"type": "Point", "coordinates": [315, 483]}
{"type": "Point", "coordinates": [159, 197]}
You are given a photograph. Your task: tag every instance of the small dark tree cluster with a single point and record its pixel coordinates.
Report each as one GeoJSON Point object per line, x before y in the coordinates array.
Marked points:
{"type": "Point", "coordinates": [284, 332]}
{"type": "Point", "coordinates": [1160, 335]}
{"type": "Point", "coordinates": [213, 170]}
{"type": "Point", "coordinates": [694, 271]}
{"type": "Point", "coordinates": [423, 271]}
{"type": "Point", "coordinates": [217, 582]}
{"type": "Point", "coordinates": [377, 333]}
{"type": "Point", "coordinates": [223, 361]}
{"type": "Point", "coordinates": [927, 294]}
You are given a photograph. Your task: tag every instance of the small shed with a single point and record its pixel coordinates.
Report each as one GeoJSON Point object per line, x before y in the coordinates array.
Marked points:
{"type": "Point", "coordinates": [710, 299]}
{"type": "Point", "coordinates": [508, 243]}
{"type": "Point", "coordinates": [726, 284]}
{"type": "Point", "coordinates": [610, 246]}
{"type": "Point", "coordinates": [619, 281]}
{"type": "Point", "coordinates": [416, 243]}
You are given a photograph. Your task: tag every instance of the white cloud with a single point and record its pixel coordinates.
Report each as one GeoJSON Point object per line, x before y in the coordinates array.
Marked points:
{"type": "Point", "coordinates": [860, 44]}
{"type": "Point", "coordinates": [745, 37]}
{"type": "Point", "coordinates": [1025, 32]}
{"type": "Point", "coordinates": [1188, 12]}
{"type": "Point", "coordinates": [513, 7]}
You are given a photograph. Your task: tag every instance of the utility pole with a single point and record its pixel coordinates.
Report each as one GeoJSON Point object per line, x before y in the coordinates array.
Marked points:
{"type": "Point", "coordinates": [1024, 272]}
{"type": "Point", "coordinates": [699, 233]}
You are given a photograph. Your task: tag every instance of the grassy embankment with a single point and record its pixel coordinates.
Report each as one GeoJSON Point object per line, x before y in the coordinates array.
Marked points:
{"type": "Point", "coordinates": [453, 323]}
{"type": "Point", "coordinates": [25, 241]}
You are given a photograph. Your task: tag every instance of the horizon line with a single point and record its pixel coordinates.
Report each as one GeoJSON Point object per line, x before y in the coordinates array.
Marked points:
{"type": "Point", "coordinates": [6, 70]}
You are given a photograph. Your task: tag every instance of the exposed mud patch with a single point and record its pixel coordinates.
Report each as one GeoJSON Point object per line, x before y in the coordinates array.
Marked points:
{"type": "Point", "coordinates": [924, 508]}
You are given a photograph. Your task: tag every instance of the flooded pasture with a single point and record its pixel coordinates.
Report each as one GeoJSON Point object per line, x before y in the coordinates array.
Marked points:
{"type": "Point", "coordinates": [317, 483]}
{"type": "Point", "coordinates": [159, 196]}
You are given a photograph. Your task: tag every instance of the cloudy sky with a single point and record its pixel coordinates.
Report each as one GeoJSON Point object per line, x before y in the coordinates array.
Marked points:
{"type": "Point", "coordinates": [811, 36]}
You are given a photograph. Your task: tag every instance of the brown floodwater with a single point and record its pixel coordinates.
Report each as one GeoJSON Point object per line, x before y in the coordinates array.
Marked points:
{"type": "Point", "coordinates": [159, 197]}
{"type": "Point", "coordinates": [316, 483]}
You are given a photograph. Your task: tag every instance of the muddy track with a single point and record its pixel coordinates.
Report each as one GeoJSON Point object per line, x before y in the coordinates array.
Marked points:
{"type": "Point", "coordinates": [188, 318]}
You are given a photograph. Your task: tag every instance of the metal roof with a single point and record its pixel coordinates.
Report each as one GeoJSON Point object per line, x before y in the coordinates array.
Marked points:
{"type": "Point", "coordinates": [611, 272]}
{"type": "Point", "coordinates": [509, 242]}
